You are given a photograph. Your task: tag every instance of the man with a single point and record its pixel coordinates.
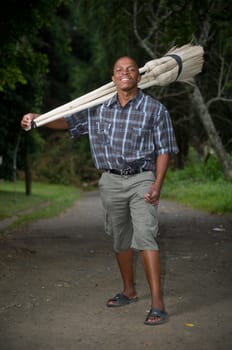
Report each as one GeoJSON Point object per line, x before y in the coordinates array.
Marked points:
{"type": "Point", "coordinates": [131, 139]}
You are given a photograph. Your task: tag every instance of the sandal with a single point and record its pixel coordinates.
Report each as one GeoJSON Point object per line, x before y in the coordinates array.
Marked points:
{"type": "Point", "coordinates": [121, 299]}
{"type": "Point", "coordinates": [156, 317]}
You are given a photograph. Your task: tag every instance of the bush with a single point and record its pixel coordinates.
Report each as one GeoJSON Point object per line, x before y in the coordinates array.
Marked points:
{"type": "Point", "coordinates": [65, 161]}
{"type": "Point", "coordinates": [200, 185]}
{"type": "Point", "coordinates": [197, 169]}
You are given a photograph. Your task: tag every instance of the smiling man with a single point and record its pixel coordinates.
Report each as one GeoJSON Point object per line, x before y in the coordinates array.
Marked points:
{"type": "Point", "coordinates": [131, 139]}
{"type": "Point", "coordinates": [126, 77]}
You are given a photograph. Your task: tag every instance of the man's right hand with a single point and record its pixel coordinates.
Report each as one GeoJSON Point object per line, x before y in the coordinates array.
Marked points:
{"type": "Point", "coordinates": [27, 119]}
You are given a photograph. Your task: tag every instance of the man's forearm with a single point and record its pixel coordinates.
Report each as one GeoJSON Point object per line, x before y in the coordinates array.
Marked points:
{"type": "Point", "coordinates": [28, 119]}
{"type": "Point", "coordinates": [59, 124]}
{"type": "Point", "coordinates": [153, 194]}
{"type": "Point", "coordinates": [162, 164]}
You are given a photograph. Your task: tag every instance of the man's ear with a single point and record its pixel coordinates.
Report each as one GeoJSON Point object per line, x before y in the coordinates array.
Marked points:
{"type": "Point", "coordinates": [139, 78]}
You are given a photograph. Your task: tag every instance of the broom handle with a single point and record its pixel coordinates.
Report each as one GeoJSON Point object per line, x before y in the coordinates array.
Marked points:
{"type": "Point", "coordinates": [103, 90]}
{"type": "Point", "coordinates": [39, 122]}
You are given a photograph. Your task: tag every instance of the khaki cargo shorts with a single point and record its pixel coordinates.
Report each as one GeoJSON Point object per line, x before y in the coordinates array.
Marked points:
{"type": "Point", "coordinates": [130, 220]}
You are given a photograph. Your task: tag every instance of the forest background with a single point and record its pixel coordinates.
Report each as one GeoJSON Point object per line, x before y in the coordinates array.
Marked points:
{"type": "Point", "coordinates": [52, 51]}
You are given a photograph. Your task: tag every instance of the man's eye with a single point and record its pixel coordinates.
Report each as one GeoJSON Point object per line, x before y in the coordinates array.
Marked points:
{"type": "Point", "coordinates": [128, 70]}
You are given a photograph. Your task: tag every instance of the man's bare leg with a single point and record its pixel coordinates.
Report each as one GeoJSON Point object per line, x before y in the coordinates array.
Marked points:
{"type": "Point", "coordinates": [151, 264]}
{"type": "Point", "coordinates": [125, 262]}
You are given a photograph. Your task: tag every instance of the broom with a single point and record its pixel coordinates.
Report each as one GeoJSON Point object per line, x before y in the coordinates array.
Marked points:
{"type": "Point", "coordinates": [179, 64]}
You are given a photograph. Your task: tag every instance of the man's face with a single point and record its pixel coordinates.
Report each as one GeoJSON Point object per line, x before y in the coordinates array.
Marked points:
{"type": "Point", "coordinates": [126, 74]}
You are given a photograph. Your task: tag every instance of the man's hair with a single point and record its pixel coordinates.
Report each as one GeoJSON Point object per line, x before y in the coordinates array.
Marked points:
{"type": "Point", "coordinates": [128, 57]}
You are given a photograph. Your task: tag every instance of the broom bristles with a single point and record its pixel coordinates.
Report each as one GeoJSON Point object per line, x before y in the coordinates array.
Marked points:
{"type": "Point", "coordinates": [165, 69]}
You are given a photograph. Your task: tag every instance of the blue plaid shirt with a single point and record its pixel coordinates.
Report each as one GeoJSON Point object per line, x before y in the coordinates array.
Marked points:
{"type": "Point", "coordinates": [130, 136]}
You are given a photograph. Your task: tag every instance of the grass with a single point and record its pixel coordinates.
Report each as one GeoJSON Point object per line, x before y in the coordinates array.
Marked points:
{"type": "Point", "coordinates": [211, 195]}
{"type": "Point", "coordinates": [46, 201]}
{"type": "Point", "coordinates": [200, 185]}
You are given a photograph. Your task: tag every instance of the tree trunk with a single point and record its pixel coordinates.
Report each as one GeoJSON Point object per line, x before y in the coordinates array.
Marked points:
{"type": "Point", "coordinates": [15, 155]}
{"type": "Point", "coordinates": [214, 138]}
{"type": "Point", "coordinates": [27, 169]}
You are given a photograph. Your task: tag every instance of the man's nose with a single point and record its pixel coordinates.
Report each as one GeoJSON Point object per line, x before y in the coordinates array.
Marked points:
{"type": "Point", "coordinates": [125, 71]}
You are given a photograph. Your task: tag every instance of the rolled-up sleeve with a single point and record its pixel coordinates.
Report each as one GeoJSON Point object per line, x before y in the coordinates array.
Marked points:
{"type": "Point", "coordinates": [164, 136]}
{"type": "Point", "coordinates": [77, 123]}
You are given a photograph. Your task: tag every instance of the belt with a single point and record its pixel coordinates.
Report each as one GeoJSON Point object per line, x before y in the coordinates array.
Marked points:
{"type": "Point", "coordinates": [125, 172]}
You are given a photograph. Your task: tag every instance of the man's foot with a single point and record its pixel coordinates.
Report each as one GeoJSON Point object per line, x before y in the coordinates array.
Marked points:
{"type": "Point", "coordinates": [121, 299]}
{"type": "Point", "coordinates": [156, 317]}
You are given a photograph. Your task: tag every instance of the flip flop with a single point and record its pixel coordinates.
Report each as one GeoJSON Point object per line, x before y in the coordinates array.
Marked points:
{"type": "Point", "coordinates": [121, 299]}
{"type": "Point", "coordinates": [156, 317]}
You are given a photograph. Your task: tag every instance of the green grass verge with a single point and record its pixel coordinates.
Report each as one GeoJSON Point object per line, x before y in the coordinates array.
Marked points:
{"type": "Point", "coordinates": [213, 196]}
{"type": "Point", "coordinates": [46, 201]}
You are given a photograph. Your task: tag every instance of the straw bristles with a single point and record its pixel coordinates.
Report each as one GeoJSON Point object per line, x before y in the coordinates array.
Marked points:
{"type": "Point", "coordinates": [157, 72]}
{"type": "Point", "coordinates": [192, 58]}
{"type": "Point", "coordinates": [165, 70]}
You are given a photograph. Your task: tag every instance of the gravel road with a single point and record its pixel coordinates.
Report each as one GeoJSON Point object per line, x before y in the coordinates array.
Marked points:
{"type": "Point", "coordinates": [57, 274]}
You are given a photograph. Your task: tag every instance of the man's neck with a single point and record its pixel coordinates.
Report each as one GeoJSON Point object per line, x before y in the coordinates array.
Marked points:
{"type": "Point", "coordinates": [125, 96]}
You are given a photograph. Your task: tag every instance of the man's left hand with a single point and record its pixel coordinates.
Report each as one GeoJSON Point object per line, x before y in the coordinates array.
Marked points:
{"type": "Point", "coordinates": [153, 195]}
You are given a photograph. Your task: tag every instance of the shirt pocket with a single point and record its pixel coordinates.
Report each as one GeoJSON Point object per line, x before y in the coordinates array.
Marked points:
{"type": "Point", "coordinates": [103, 132]}
{"type": "Point", "coordinates": [142, 140]}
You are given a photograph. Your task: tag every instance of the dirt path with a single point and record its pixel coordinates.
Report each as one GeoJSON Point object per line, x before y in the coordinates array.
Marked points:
{"type": "Point", "coordinates": [57, 274]}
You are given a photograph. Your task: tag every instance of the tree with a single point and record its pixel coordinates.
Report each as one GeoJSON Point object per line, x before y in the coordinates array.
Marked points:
{"type": "Point", "coordinates": [24, 66]}
{"type": "Point", "coordinates": [207, 22]}
{"type": "Point", "coordinates": [220, 50]}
